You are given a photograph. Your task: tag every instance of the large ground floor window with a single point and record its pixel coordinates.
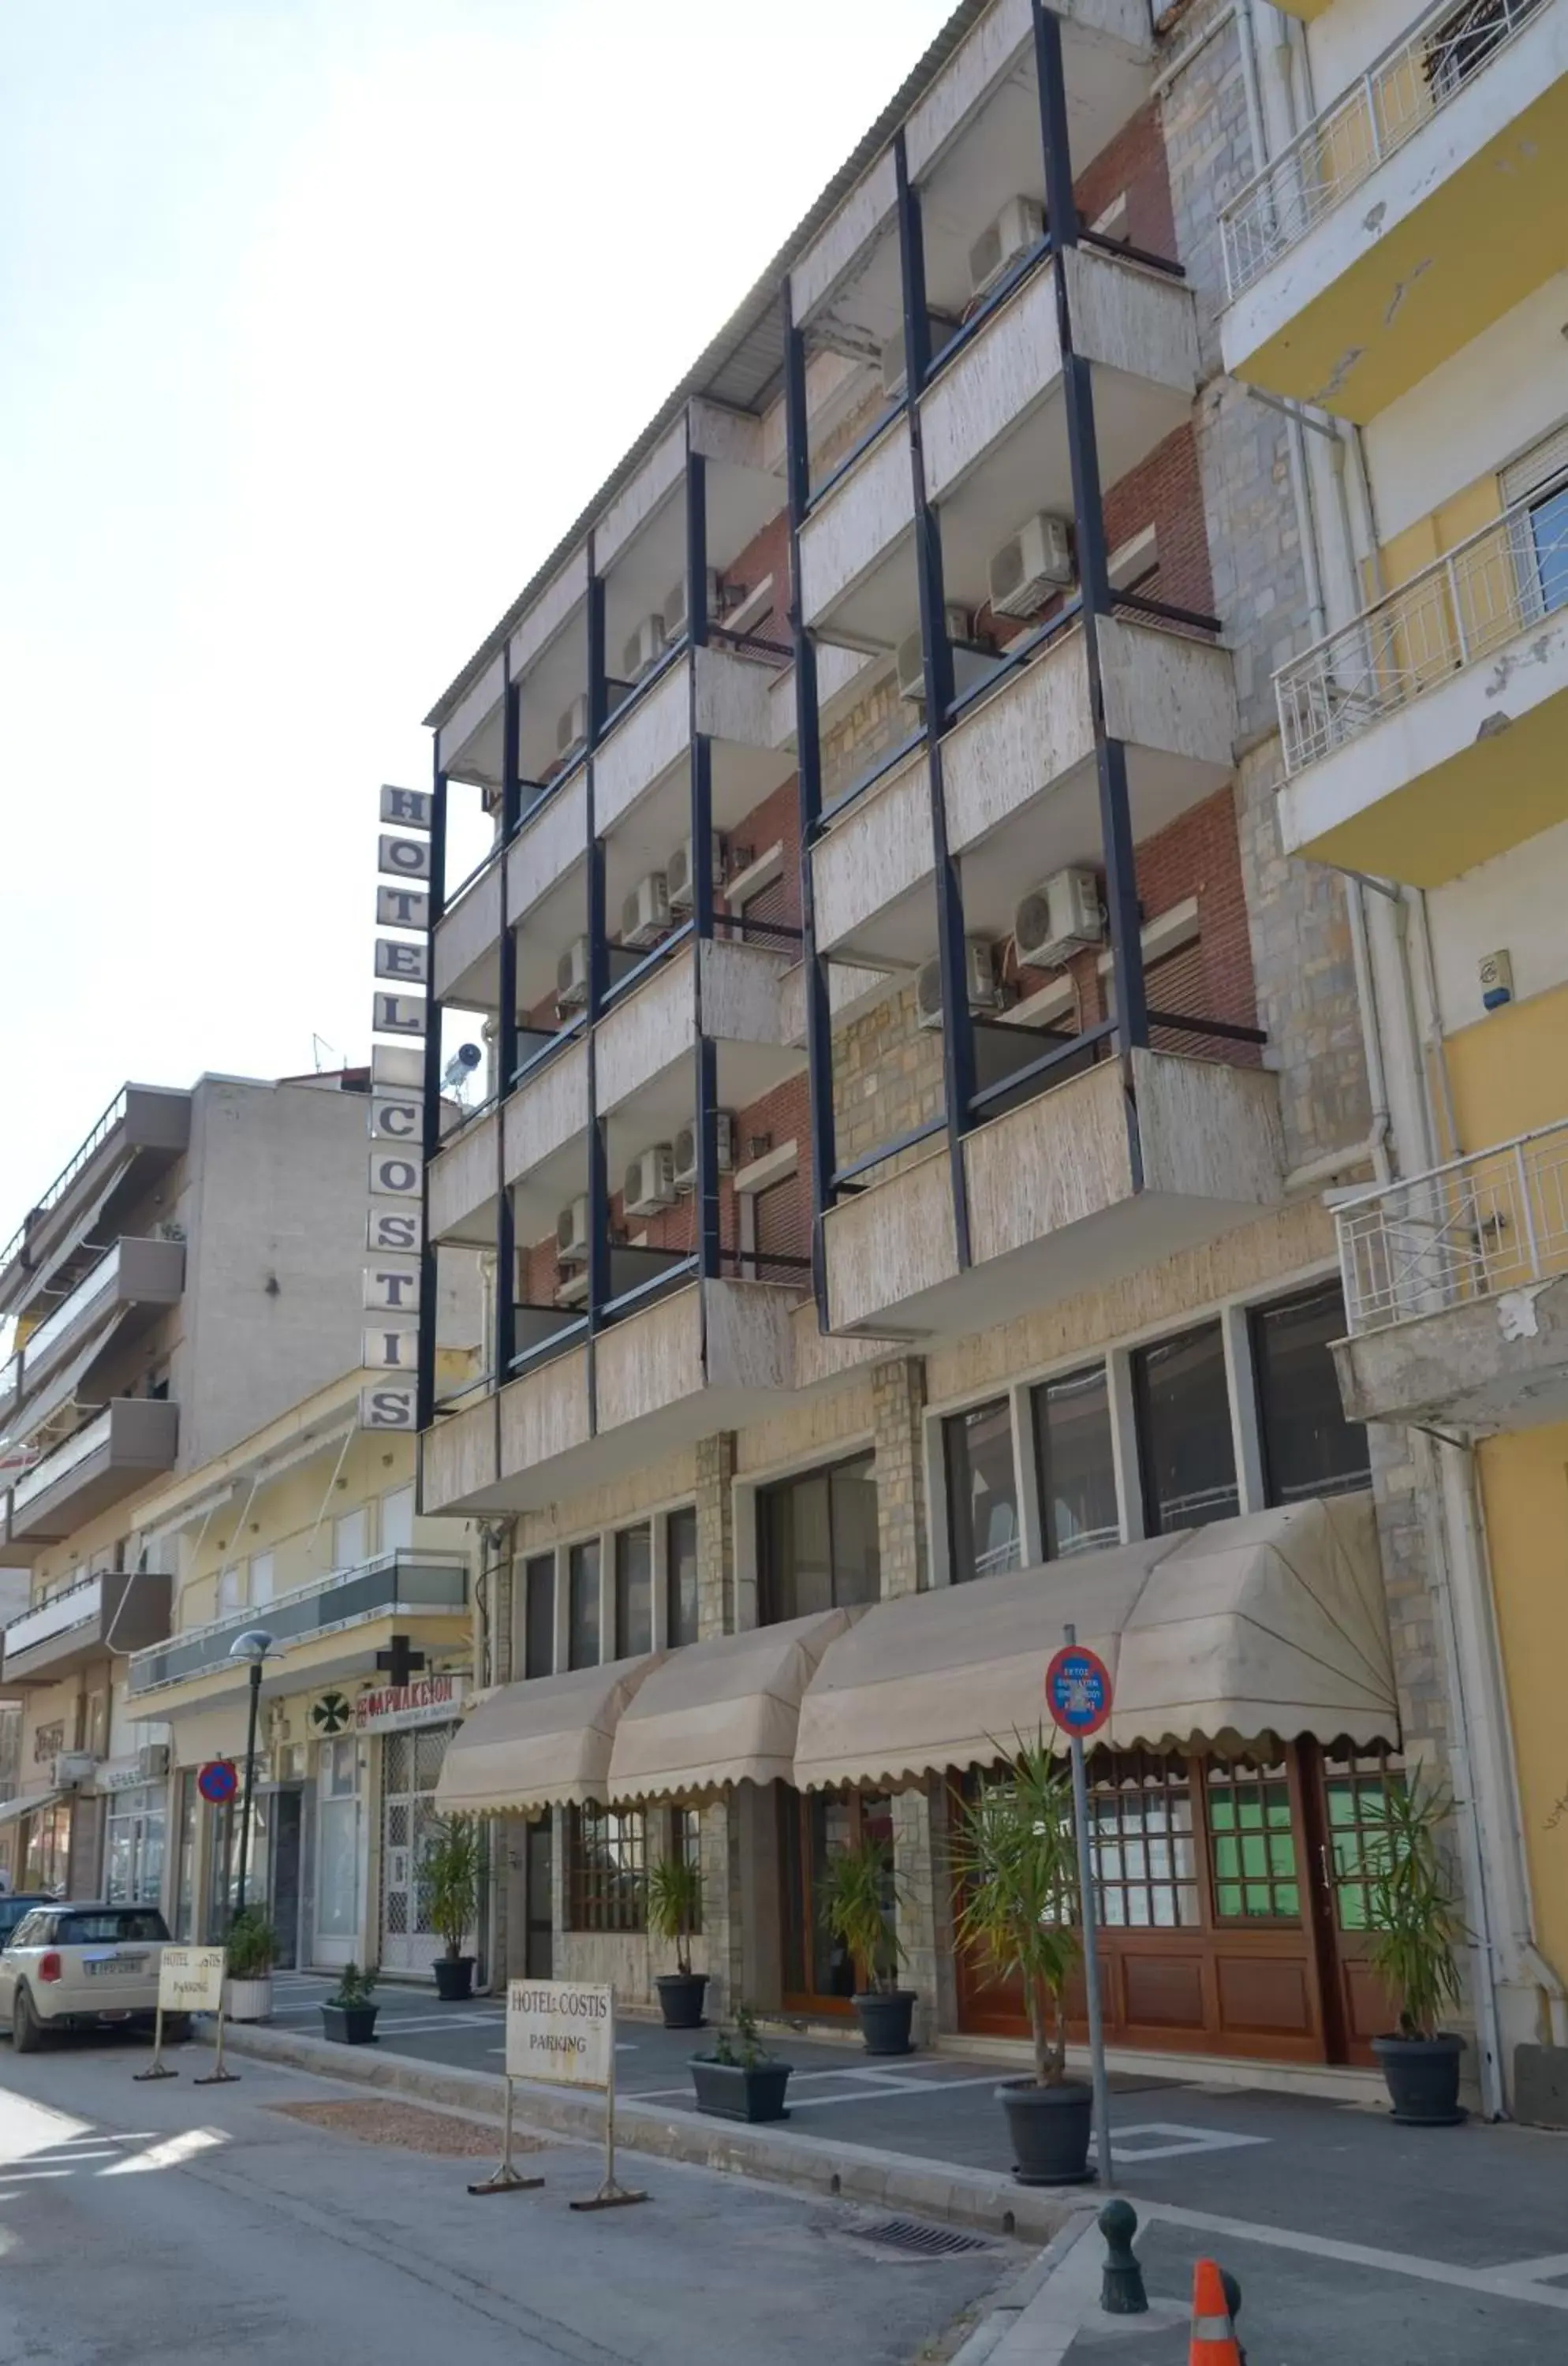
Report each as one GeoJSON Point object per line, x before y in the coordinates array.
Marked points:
{"type": "Point", "coordinates": [818, 1971]}
{"type": "Point", "coordinates": [133, 1846]}
{"type": "Point", "coordinates": [1230, 1916]}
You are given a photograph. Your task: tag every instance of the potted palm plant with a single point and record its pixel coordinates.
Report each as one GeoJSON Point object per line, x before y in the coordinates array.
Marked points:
{"type": "Point", "coordinates": [741, 2079]}
{"type": "Point", "coordinates": [1414, 1929]}
{"type": "Point", "coordinates": [859, 1900]}
{"type": "Point", "coordinates": [348, 2016]}
{"type": "Point", "coordinates": [449, 1890]}
{"type": "Point", "coordinates": [1013, 1854]}
{"type": "Point", "coordinates": [675, 1915]}
{"type": "Point", "coordinates": [252, 1945]}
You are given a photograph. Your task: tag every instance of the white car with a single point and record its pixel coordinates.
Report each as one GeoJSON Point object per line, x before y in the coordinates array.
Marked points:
{"type": "Point", "coordinates": [73, 1965]}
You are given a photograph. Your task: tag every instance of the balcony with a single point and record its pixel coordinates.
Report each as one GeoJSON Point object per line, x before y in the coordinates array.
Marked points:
{"type": "Point", "coordinates": [1019, 787]}
{"type": "Point", "coordinates": [134, 1273]}
{"type": "Point", "coordinates": [143, 1130]}
{"type": "Point", "coordinates": [1425, 203]}
{"type": "Point", "coordinates": [702, 1356]}
{"type": "Point", "coordinates": [398, 1586]}
{"type": "Point", "coordinates": [1455, 1291]}
{"type": "Point", "coordinates": [115, 1611]}
{"type": "Point", "coordinates": [995, 439]}
{"type": "Point", "coordinates": [1075, 1187]}
{"type": "Point", "coordinates": [1426, 736]}
{"type": "Point", "coordinates": [129, 1442]}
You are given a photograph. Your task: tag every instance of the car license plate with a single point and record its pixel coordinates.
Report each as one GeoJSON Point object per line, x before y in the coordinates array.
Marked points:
{"type": "Point", "coordinates": [96, 1964]}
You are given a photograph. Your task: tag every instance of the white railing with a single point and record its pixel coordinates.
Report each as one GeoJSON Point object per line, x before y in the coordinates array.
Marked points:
{"type": "Point", "coordinates": [97, 1278]}
{"type": "Point", "coordinates": [75, 1607]}
{"type": "Point", "coordinates": [65, 1457]}
{"type": "Point", "coordinates": [1344, 146]}
{"type": "Point", "coordinates": [1464, 605]}
{"type": "Point", "coordinates": [1494, 1222]}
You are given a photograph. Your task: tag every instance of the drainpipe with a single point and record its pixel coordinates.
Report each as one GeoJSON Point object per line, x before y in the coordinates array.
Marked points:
{"type": "Point", "coordinates": [1371, 1030]}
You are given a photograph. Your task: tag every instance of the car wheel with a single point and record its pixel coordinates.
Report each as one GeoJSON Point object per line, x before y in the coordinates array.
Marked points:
{"type": "Point", "coordinates": [26, 2030]}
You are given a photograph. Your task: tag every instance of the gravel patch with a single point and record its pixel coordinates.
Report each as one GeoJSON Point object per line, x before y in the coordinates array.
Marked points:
{"type": "Point", "coordinates": [408, 2126]}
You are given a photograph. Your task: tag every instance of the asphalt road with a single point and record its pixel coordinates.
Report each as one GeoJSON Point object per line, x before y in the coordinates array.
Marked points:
{"type": "Point", "coordinates": [172, 2224]}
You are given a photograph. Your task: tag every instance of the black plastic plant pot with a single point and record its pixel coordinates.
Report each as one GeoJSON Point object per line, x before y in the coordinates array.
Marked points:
{"type": "Point", "coordinates": [726, 2091]}
{"type": "Point", "coordinates": [884, 2021]}
{"type": "Point", "coordinates": [681, 1999]}
{"type": "Point", "coordinates": [1422, 2077]}
{"type": "Point", "coordinates": [1050, 2127]}
{"type": "Point", "coordinates": [454, 1977]}
{"type": "Point", "coordinates": [350, 2024]}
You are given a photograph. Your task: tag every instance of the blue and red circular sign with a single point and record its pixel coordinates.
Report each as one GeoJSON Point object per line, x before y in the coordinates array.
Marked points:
{"type": "Point", "coordinates": [218, 1781]}
{"type": "Point", "coordinates": [1077, 1690]}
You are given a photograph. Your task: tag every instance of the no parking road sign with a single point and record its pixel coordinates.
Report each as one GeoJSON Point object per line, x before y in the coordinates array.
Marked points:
{"type": "Point", "coordinates": [1077, 1690]}
{"type": "Point", "coordinates": [218, 1781]}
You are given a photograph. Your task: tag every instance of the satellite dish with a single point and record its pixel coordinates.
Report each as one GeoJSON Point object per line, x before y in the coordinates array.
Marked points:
{"type": "Point", "coordinates": [461, 1066]}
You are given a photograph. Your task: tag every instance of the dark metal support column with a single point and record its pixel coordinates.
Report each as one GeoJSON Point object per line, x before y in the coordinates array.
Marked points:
{"type": "Point", "coordinates": [506, 1032]}
{"type": "Point", "coordinates": [809, 751]}
{"type": "Point", "coordinates": [957, 1027]}
{"type": "Point", "coordinates": [1110, 756]}
{"type": "Point", "coordinates": [425, 1383]}
{"type": "Point", "coordinates": [706, 1063]}
{"type": "Point", "coordinates": [598, 981]}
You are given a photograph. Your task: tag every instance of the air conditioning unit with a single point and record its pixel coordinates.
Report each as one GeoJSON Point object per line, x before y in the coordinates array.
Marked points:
{"type": "Point", "coordinates": [686, 1152]}
{"type": "Point", "coordinates": [571, 1231]}
{"type": "Point", "coordinates": [674, 606]}
{"type": "Point", "coordinates": [912, 656]}
{"type": "Point", "coordinates": [1062, 917]}
{"type": "Point", "coordinates": [645, 648]}
{"type": "Point", "coordinates": [1031, 568]}
{"type": "Point", "coordinates": [678, 872]}
{"type": "Point", "coordinates": [572, 731]}
{"type": "Point", "coordinates": [985, 992]}
{"type": "Point", "coordinates": [645, 915]}
{"type": "Point", "coordinates": [650, 1181]}
{"type": "Point", "coordinates": [1019, 225]}
{"type": "Point", "coordinates": [571, 976]}
{"type": "Point", "coordinates": [152, 1762]}
{"type": "Point", "coordinates": [72, 1768]}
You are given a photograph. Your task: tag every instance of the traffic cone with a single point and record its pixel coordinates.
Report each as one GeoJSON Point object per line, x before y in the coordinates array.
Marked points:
{"type": "Point", "coordinates": [1213, 2341]}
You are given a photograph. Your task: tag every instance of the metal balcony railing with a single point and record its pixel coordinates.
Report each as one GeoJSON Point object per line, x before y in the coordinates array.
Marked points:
{"type": "Point", "coordinates": [100, 1134]}
{"type": "Point", "coordinates": [1343, 147]}
{"type": "Point", "coordinates": [1466, 604]}
{"type": "Point", "coordinates": [74, 1605]}
{"type": "Point", "coordinates": [403, 1582]}
{"type": "Point", "coordinates": [54, 1467]}
{"type": "Point", "coordinates": [1494, 1222]}
{"type": "Point", "coordinates": [94, 1282]}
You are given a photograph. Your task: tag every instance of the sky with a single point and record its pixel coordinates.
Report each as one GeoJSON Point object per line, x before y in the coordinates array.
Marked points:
{"type": "Point", "coordinates": [320, 322]}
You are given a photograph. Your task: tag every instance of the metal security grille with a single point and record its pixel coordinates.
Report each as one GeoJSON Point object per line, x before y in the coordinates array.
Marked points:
{"type": "Point", "coordinates": [410, 1763]}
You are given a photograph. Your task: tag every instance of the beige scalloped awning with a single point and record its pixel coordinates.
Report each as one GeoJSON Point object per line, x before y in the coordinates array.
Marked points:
{"type": "Point", "coordinates": [721, 1712]}
{"type": "Point", "coordinates": [530, 1745]}
{"type": "Point", "coordinates": [1273, 1624]}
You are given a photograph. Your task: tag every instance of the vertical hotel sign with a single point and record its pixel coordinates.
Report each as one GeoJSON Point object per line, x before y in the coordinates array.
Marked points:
{"type": "Point", "coordinates": [394, 1232]}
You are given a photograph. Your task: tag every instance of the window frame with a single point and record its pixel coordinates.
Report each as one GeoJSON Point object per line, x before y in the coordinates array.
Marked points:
{"type": "Point", "coordinates": [1139, 1364]}
{"type": "Point", "coordinates": [1036, 1394]}
{"type": "Point", "coordinates": [532, 1563]}
{"type": "Point", "coordinates": [673, 1640]}
{"type": "Point", "coordinates": [577, 1554]}
{"type": "Point", "coordinates": [1257, 1313]}
{"type": "Point", "coordinates": [767, 1490]}
{"type": "Point", "coordinates": [620, 1589]}
{"type": "Point", "coordinates": [955, 1426]}
{"type": "Point", "coordinates": [599, 1897]}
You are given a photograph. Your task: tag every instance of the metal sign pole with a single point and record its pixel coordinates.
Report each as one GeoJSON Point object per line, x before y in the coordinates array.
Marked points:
{"type": "Point", "coordinates": [611, 2195]}
{"type": "Point", "coordinates": [218, 2076]}
{"type": "Point", "coordinates": [505, 2177]}
{"type": "Point", "coordinates": [157, 2068]}
{"type": "Point", "coordinates": [1091, 1958]}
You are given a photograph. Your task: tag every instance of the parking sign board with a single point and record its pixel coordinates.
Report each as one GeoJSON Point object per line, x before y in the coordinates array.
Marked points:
{"type": "Point", "coordinates": [1077, 1690]}
{"type": "Point", "coordinates": [190, 1979]}
{"type": "Point", "coordinates": [560, 2031]}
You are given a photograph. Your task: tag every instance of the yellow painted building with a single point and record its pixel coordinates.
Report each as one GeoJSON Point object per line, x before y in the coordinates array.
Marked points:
{"type": "Point", "coordinates": [309, 1533]}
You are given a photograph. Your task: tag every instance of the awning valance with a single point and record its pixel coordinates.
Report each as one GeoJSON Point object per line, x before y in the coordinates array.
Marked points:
{"type": "Point", "coordinates": [529, 1745]}
{"type": "Point", "coordinates": [721, 1712]}
{"type": "Point", "coordinates": [1270, 1625]}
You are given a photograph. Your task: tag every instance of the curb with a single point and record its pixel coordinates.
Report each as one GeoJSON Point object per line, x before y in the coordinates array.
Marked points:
{"type": "Point", "coordinates": [943, 2191]}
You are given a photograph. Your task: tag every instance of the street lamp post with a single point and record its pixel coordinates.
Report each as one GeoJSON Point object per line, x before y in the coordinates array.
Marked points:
{"type": "Point", "coordinates": [250, 1648]}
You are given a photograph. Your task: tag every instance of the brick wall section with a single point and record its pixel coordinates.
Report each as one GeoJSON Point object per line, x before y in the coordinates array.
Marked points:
{"type": "Point", "coordinates": [766, 554]}
{"type": "Point", "coordinates": [775, 822]}
{"type": "Point", "coordinates": [898, 1403]}
{"type": "Point", "coordinates": [886, 1080]}
{"type": "Point", "coordinates": [1134, 162]}
{"type": "Point", "coordinates": [784, 1113]}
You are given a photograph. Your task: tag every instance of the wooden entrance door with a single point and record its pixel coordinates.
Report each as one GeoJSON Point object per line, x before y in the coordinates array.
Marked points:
{"type": "Point", "coordinates": [819, 1974]}
{"type": "Point", "coordinates": [1344, 1790]}
{"type": "Point", "coordinates": [1208, 1938]}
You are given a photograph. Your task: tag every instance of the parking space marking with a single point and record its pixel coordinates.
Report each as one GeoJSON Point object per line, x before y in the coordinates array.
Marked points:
{"type": "Point", "coordinates": [1502, 2283]}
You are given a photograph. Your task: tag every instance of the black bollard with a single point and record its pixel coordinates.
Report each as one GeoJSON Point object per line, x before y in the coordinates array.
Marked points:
{"type": "Point", "coordinates": [1233, 2304]}
{"type": "Point", "coordinates": [1122, 2290]}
